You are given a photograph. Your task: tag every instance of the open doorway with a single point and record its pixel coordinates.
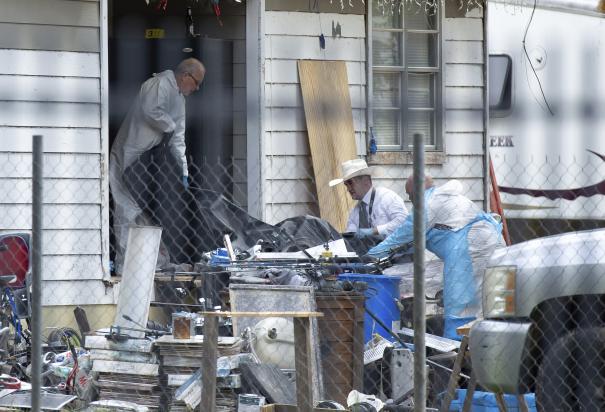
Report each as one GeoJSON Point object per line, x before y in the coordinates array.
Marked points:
{"type": "Point", "coordinates": [150, 38]}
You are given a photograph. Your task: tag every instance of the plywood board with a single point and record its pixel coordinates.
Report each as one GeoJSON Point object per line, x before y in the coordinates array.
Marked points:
{"type": "Point", "coordinates": [329, 121]}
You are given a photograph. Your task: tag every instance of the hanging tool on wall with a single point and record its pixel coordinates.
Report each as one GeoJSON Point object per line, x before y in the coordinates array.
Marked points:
{"type": "Point", "coordinates": [190, 24]}
{"type": "Point", "coordinates": [161, 6]}
{"type": "Point", "coordinates": [217, 11]}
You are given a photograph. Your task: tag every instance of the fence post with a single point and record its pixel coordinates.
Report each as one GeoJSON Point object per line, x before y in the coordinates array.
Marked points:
{"type": "Point", "coordinates": [36, 295]}
{"type": "Point", "coordinates": [419, 287]}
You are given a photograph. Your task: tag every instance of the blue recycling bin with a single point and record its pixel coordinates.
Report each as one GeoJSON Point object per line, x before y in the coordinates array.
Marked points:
{"type": "Point", "coordinates": [381, 294]}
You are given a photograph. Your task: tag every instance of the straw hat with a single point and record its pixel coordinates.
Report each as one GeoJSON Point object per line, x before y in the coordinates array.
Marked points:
{"type": "Point", "coordinates": [352, 168]}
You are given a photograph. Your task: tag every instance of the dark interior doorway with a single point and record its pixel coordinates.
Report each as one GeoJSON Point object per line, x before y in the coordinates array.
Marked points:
{"type": "Point", "coordinates": [144, 40]}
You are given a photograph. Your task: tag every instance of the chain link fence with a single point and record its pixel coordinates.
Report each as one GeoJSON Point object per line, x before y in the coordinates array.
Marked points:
{"type": "Point", "coordinates": [137, 332]}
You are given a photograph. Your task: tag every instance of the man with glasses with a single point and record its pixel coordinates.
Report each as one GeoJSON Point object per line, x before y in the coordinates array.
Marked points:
{"type": "Point", "coordinates": [157, 116]}
{"type": "Point", "coordinates": [378, 212]}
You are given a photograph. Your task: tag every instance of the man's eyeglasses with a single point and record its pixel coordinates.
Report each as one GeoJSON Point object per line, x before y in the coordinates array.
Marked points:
{"type": "Point", "coordinates": [197, 82]}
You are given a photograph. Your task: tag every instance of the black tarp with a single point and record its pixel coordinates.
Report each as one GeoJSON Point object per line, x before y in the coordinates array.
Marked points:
{"type": "Point", "coordinates": [195, 220]}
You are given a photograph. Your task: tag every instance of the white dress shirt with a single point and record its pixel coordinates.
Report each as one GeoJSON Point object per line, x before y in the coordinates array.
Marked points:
{"type": "Point", "coordinates": [388, 211]}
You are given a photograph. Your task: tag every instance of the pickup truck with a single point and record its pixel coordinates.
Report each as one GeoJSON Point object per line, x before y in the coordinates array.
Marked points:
{"type": "Point", "coordinates": [543, 327]}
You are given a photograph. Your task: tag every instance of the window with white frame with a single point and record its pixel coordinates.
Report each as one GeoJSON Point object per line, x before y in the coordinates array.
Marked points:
{"type": "Point", "coordinates": [406, 79]}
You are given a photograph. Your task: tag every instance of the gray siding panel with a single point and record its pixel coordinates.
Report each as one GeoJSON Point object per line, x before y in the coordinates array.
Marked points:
{"type": "Point", "coordinates": [47, 63]}
{"type": "Point", "coordinates": [50, 76]}
{"type": "Point", "coordinates": [62, 140]}
{"type": "Point", "coordinates": [49, 89]}
{"type": "Point", "coordinates": [37, 37]}
{"type": "Point", "coordinates": [51, 12]}
{"type": "Point", "coordinates": [45, 114]}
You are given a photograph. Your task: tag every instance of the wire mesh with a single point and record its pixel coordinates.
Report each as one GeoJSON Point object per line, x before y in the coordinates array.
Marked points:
{"type": "Point", "coordinates": [542, 299]}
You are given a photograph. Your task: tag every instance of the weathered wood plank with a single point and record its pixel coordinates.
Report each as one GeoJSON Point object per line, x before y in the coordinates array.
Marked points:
{"type": "Point", "coordinates": [290, 167]}
{"type": "Point", "coordinates": [77, 267]}
{"type": "Point", "coordinates": [463, 143]}
{"type": "Point", "coordinates": [289, 95]}
{"type": "Point", "coordinates": [287, 143]}
{"type": "Point", "coordinates": [72, 242]}
{"type": "Point", "coordinates": [132, 345]}
{"type": "Point", "coordinates": [132, 368]}
{"type": "Point", "coordinates": [292, 119]}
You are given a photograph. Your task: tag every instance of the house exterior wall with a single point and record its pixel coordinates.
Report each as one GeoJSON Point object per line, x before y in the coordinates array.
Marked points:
{"type": "Point", "coordinates": [290, 36]}
{"type": "Point", "coordinates": [288, 186]}
{"type": "Point", "coordinates": [50, 84]}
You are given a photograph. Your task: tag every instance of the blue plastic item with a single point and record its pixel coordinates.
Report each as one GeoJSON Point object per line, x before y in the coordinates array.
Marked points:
{"type": "Point", "coordinates": [486, 402]}
{"type": "Point", "coordinates": [381, 294]}
{"type": "Point", "coordinates": [219, 257]}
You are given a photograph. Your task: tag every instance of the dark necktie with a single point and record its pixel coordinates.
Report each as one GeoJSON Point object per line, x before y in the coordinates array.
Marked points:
{"type": "Point", "coordinates": [364, 221]}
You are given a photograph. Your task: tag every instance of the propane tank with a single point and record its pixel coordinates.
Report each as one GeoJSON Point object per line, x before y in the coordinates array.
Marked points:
{"type": "Point", "coordinates": [274, 342]}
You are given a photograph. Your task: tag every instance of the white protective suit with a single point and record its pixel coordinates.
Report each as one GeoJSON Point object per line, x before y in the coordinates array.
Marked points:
{"type": "Point", "coordinates": [464, 237]}
{"type": "Point", "coordinates": [159, 108]}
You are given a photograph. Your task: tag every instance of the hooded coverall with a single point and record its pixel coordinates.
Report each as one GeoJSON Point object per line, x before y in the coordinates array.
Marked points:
{"type": "Point", "coordinates": [464, 237]}
{"type": "Point", "coordinates": [159, 108]}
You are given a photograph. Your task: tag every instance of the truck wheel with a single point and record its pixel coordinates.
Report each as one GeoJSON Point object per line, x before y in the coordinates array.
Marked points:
{"type": "Point", "coordinates": [572, 374]}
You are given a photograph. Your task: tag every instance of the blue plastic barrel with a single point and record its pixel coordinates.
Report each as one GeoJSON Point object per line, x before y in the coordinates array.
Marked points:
{"type": "Point", "coordinates": [380, 300]}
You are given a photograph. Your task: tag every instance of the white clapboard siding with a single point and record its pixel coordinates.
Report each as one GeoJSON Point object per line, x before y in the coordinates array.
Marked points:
{"type": "Point", "coordinates": [302, 47]}
{"type": "Point", "coordinates": [56, 165]}
{"type": "Point", "coordinates": [286, 71]}
{"type": "Point", "coordinates": [468, 98]}
{"type": "Point", "coordinates": [49, 89]}
{"type": "Point", "coordinates": [456, 167]}
{"type": "Point", "coordinates": [279, 212]}
{"type": "Point", "coordinates": [55, 191]}
{"type": "Point", "coordinates": [81, 267]}
{"type": "Point", "coordinates": [55, 12]}
{"type": "Point", "coordinates": [49, 114]}
{"type": "Point", "coordinates": [19, 217]}
{"type": "Point", "coordinates": [292, 119]}
{"type": "Point", "coordinates": [61, 140]}
{"type": "Point", "coordinates": [293, 36]}
{"type": "Point", "coordinates": [50, 85]}
{"type": "Point", "coordinates": [291, 167]}
{"type": "Point", "coordinates": [464, 88]}
{"type": "Point", "coordinates": [464, 121]}
{"type": "Point", "coordinates": [49, 63]}
{"type": "Point", "coordinates": [290, 95]}
{"type": "Point", "coordinates": [458, 143]}
{"type": "Point", "coordinates": [463, 74]}
{"type": "Point", "coordinates": [77, 292]}
{"type": "Point", "coordinates": [466, 51]}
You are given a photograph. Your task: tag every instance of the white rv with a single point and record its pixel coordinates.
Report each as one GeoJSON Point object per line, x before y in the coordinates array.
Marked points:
{"type": "Point", "coordinates": [547, 109]}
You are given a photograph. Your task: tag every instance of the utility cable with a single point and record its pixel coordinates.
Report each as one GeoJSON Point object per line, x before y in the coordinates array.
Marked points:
{"type": "Point", "coordinates": [529, 60]}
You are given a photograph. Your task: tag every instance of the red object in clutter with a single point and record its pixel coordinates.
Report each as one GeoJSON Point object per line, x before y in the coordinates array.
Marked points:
{"type": "Point", "coordinates": [14, 258]}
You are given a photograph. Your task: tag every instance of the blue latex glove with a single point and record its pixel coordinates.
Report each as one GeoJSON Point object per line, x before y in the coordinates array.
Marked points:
{"type": "Point", "coordinates": [185, 181]}
{"type": "Point", "coordinates": [363, 233]}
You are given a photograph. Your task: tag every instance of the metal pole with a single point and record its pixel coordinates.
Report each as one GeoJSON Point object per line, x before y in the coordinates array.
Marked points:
{"type": "Point", "coordinates": [36, 285]}
{"type": "Point", "coordinates": [419, 294]}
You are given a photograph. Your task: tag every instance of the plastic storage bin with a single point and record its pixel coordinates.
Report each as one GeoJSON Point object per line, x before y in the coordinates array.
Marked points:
{"type": "Point", "coordinates": [381, 294]}
{"type": "Point", "coordinates": [486, 402]}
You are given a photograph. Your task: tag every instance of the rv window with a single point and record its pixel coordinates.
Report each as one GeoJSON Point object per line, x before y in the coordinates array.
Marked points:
{"type": "Point", "coordinates": [500, 82]}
